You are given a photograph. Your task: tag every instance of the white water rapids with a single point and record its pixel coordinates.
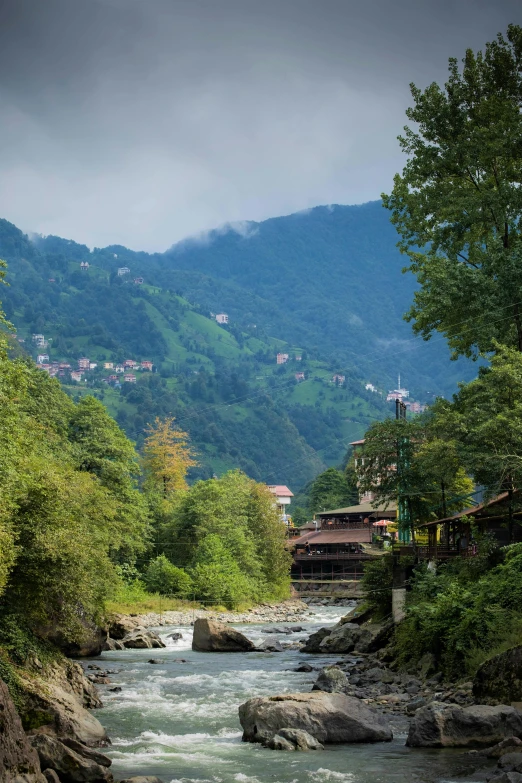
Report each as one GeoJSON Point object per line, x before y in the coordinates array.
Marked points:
{"type": "Point", "coordinates": [180, 720]}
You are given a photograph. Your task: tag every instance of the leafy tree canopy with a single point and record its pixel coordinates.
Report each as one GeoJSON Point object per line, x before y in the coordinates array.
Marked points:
{"type": "Point", "coordinates": [333, 489]}
{"type": "Point", "coordinates": [458, 202]}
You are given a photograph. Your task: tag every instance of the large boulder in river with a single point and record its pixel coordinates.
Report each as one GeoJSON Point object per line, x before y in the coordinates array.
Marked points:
{"type": "Point", "coordinates": [499, 680]}
{"type": "Point", "coordinates": [329, 717]}
{"type": "Point", "coordinates": [18, 760]}
{"type": "Point", "coordinates": [120, 625]}
{"type": "Point", "coordinates": [212, 636]}
{"type": "Point", "coordinates": [440, 725]}
{"type": "Point", "coordinates": [71, 766]}
{"type": "Point", "coordinates": [143, 640]}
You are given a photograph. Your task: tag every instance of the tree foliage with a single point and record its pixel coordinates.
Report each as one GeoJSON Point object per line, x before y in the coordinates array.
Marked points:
{"type": "Point", "coordinates": [163, 577]}
{"type": "Point", "coordinates": [167, 457]}
{"type": "Point", "coordinates": [228, 535]}
{"type": "Point", "coordinates": [409, 459]}
{"type": "Point", "coordinates": [461, 617]}
{"type": "Point", "coordinates": [69, 505]}
{"type": "Point", "coordinates": [333, 489]}
{"type": "Point", "coordinates": [458, 202]}
{"type": "Point", "coordinates": [485, 418]}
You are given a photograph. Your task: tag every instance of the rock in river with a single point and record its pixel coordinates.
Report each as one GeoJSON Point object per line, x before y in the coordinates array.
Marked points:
{"type": "Point", "coordinates": [143, 640]}
{"type": "Point", "coordinates": [312, 644]}
{"type": "Point", "coordinates": [331, 680]}
{"type": "Point", "coordinates": [212, 636]}
{"type": "Point", "coordinates": [329, 717]}
{"type": "Point", "coordinates": [440, 725]}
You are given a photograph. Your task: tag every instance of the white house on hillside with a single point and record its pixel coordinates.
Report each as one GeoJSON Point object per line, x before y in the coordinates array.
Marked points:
{"type": "Point", "coordinates": [283, 497]}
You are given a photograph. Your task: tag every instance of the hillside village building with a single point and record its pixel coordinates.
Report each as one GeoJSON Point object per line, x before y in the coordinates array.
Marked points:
{"type": "Point", "coordinates": [84, 363]}
{"type": "Point", "coordinates": [222, 318]}
{"type": "Point", "coordinates": [84, 265]}
{"type": "Point", "coordinates": [283, 498]}
{"type": "Point", "coordinates": [299, 376]}
{"type": "Point", "coordinates": [76, 375]}
{"type": "Point", "coordinates": [42, 358]}
{"type": "Point", "coordinates": [147, 366]}
{"type": "Point", "coordinates": [129, 377]}
{"type": "Point", "coordinates": [338, 379]}
{"type": "Point", "coordinates": [123, 270]}
{"type": "Point", "coordinates": [39, 340]}
{"type": "Point", "coordinates": [282, 358]}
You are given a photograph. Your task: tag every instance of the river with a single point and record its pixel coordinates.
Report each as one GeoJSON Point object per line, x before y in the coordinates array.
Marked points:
{"type": "Point", "coordinates": [180, 720]}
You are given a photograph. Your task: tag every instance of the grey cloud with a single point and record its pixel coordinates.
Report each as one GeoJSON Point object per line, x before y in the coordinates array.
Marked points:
{"type": "Point", "coordinates": [141, 122]}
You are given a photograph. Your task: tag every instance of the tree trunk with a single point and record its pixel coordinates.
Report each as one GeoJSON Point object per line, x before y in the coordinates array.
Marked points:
{"type": "Point", "coordinates": [518, 325]}
{"type": "Point", "coordinates": [510, 524]}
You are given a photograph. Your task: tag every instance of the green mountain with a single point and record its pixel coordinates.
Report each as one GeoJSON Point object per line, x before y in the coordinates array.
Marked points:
{"type": "Point", "coordinates": [222, 383]}
{"type": "Point", "coordinates": [325, 285]}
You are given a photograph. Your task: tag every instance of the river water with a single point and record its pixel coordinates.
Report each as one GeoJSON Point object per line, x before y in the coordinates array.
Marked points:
{"type": "Point", "coordinates": [180, 720]}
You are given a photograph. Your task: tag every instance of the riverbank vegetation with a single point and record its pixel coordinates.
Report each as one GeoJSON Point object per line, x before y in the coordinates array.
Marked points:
{"type": "Point", "coordinates": [457, 207]}
{"type": "Point", "coordinates": [86, 524]}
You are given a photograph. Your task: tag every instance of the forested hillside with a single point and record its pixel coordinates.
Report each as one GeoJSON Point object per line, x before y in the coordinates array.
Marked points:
{"type": "Point", "coordinates": [221, 382]}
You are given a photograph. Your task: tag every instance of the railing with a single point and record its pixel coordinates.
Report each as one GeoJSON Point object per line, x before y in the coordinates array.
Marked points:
{"type": "Point", "coordinates": [344, 526]}
{"type": "Point", "coordinates": [333, 556]}
{"type": "Point", "coordinates": [445, 552]}
{"type": "Point", "coordinates": [436, 552]}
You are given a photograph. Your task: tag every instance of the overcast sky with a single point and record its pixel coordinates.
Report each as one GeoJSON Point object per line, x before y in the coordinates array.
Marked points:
{"type": "Point", "coordinates": [141, 122]}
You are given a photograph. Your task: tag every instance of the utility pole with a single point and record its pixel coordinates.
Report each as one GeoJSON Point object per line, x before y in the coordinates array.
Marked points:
{"type": "Point", "coordinates": [402, 505]}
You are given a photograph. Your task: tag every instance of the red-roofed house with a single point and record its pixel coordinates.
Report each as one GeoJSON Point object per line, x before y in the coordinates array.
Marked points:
{"type": "Point", "coordinates": [283, 497]}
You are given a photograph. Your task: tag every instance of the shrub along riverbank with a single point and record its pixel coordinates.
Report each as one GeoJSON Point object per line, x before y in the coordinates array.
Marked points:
{"type": "Point", "coordinates": [461, 614]}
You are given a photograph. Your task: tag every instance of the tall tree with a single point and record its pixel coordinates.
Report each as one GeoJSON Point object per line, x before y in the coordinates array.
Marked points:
{"type": "Point", "coordinates": [486, 419]}
{"type": "Point", "coordinates": [458, 203]}
{"type": "Point", "coordinates": [332, 489]}
{"type": "Point", "coordinates": [409, 460]}
{"type": "Point", "coordinates": [167, 456]}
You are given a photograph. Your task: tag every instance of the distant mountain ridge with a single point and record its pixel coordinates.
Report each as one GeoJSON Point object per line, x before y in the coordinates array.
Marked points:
{"type": "Point", "coordinates": [326, 284]}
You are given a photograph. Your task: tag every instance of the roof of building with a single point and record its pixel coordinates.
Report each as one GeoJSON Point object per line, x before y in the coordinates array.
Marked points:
{"type": "Point", "coordinates": [357, 442]}
{"type": "Point", "coordinates": [469, 512]}
{"type": "Point", "coordinates": [363, 535]}
{"type": "Point", "coordinates": [362, 508]}
{"type": "Point", "coordinates": [280, 490]}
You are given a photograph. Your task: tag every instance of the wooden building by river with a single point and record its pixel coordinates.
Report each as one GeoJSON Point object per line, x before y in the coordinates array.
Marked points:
{"type": "Point", "coordinates": [338, 543]}
{"type": "Point", "coordinates": [456, 536]}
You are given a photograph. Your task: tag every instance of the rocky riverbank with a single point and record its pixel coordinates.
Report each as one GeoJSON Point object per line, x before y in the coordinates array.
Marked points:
{"type": "Point", "coordinates": [287, 611]}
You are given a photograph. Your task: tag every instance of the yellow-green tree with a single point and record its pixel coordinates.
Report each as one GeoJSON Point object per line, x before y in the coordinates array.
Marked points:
{"type": "Point", "coordinates": [167, 456]}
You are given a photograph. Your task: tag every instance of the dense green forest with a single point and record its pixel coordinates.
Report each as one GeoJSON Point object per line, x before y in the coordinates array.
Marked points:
{"type": "Point", "coordinates": [221, 382]}
{"type": "Point", "coordinates": [457, 207]}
